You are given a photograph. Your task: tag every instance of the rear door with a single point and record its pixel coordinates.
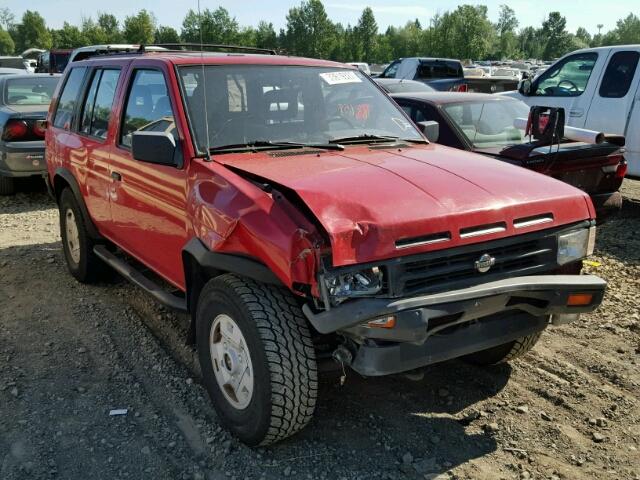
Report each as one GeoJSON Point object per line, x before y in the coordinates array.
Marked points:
{"type": "Point", "coordinates": [148, 201]}
{"type": "Point", "coordinates": [94, 151]}
{"type": "Point", "coordinates": [611, 105]}
{"type": "Point", "coordinates": [569, 84]}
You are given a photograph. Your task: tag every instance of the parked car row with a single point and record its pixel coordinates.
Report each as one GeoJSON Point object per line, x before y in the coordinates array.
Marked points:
{"type": "Point", "coordinates": [301, 218]}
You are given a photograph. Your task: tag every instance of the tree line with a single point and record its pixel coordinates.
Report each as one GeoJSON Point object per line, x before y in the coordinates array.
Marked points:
{"type": "Point", "coordinates": [464, 33]}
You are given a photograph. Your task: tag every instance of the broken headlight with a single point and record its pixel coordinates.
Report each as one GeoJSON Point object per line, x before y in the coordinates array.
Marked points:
{"type": "Point", "coordinates": [360, 283]}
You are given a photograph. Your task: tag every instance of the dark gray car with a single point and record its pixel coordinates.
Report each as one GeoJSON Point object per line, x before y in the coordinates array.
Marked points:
{"type": "Point", "coordinates": [24, 102]}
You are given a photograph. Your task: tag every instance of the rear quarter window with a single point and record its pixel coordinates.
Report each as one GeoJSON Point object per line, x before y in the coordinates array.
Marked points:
{"type": "Point", "coordinates": [69, 98]}
{"type": "Point", "coordinates": [619, 74]}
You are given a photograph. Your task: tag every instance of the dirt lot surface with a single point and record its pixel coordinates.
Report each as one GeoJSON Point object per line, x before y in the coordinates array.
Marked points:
{"type": "Point", "coordinates": [70, 353]}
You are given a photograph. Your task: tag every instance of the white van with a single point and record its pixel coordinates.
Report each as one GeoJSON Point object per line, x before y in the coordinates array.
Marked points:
{"type": "Point", "coordinates": [599, 89]}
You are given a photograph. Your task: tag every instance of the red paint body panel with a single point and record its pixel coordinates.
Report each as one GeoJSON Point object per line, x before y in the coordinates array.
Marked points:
{"type": "Point", "coordinates": [363, 200]}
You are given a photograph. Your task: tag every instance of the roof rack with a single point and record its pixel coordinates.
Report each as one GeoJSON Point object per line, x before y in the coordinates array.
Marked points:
{"type": "Point", "coordinates": [210, 47]}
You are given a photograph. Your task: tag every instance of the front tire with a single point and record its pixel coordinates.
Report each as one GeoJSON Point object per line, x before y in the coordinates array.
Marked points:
{"type": "Point", "coordinates": [77, 245]}
{"type": "Point", "coordinates": [257, 358]}
{"type": "Point", "coordinates": [7, 185]}
{"type": "Point", "coordinates": [506, 352]}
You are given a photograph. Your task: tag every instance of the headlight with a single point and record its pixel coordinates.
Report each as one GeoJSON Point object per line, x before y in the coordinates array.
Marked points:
{"type": "Point", "coordinates": [576, 245]}
{"type": "Point", "coordinates": [354, 284]}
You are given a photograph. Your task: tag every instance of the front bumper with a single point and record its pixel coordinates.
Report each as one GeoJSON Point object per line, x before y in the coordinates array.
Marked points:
{"type": "Point", "coordinates": [606, 204]}
{"type": "Point", "coordinates": [535, 294]}
{"type": "Point", "coordinates": [22, 159]}
{"type": "Point", "coordinates": [487, 315]}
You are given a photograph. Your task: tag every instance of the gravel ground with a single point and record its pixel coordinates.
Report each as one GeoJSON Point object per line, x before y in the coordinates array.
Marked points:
{"type": "Point", "coordinates": [70, 353]}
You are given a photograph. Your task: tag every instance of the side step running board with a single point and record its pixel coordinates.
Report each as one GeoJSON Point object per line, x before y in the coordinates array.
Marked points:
{"type": "Point", "coordinates": [134, 276]}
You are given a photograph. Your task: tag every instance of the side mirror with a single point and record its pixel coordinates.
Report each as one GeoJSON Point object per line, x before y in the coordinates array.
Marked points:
{"type": "Point", "coordinates": [154, 147]}
{"type": "Point", "coordinates": [430, 129]}
{"type": "Point", "coordinates": [525, 87]}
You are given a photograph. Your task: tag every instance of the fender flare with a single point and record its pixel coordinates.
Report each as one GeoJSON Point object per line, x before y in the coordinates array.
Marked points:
{"type": "Point", "coordinates": [228, 263]}
{"type": "Point", "coordinates": [68, 177]}
{"type": "Point", "coordinates": [200, 264]}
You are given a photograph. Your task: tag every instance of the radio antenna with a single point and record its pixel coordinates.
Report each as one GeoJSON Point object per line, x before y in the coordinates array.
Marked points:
{"type": "Point", "coordinates": [204, 87]}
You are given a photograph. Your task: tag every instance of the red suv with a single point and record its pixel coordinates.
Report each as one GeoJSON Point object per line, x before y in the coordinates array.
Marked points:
{"type": "Point", "coordinates": [298, 215]}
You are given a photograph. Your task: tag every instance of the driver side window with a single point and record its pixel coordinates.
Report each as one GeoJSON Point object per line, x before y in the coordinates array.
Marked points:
{"type": "Point", "coordinates": [568, 78]}
{"type": "Point", "coordinates": [148, 106]}
{"type": "Point", "coordinates": [391, 70]}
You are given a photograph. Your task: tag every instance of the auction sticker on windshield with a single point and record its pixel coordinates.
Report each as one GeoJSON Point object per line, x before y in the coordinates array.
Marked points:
{"type": "Point", "coordinates": [336, 78]}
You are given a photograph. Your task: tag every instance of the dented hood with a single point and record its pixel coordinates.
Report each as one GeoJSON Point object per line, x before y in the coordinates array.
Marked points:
{"type": "Point", "coordinates": [381, 203]}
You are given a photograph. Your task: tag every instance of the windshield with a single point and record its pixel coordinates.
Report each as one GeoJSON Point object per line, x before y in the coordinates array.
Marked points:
{"type": "Point", "coordinates": [489, 124]}
{"type": "Point", "coordinates": [30, 91]}
{"type": "Point", "coordinates": [250, 104]}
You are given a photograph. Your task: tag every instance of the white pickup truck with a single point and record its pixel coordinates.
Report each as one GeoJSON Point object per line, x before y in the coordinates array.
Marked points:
{"type": "Point", "coordinates": [599, 88]}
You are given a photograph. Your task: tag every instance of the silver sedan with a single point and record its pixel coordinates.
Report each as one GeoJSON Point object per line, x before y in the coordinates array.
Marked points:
{"type": "Point", "coordinates": [24, 102]}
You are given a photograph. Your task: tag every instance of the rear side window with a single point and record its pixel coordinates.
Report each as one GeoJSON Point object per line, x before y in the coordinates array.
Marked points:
{"type": "Point", "coordinates": [148, 106]}
{"type": "Point", "coordinates": [439, 69]}
{"type": "Point", "coordinates": [99, 102]}
{"type": "Point", "coordinates": [619, 74]}
{"type": "Point", "coordinates": [68, 98]}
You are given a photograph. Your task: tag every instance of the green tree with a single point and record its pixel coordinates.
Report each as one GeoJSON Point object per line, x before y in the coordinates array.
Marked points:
{"type": "Point", "coordinates": [217, 27]}
{"type": "Point", "coordinates": [32, 32]}
{"type": "Point", "coordinates": [7, 47]}
{"type": "Point", "coordinates": [556, 36]}
{"type": "Point", "coordinates": [266, 36]}
{"type": "Point", "coordinates": [69, 36]}
{"type": "Point", "coordinates": [470, 32]}
{"type": "Point", "coordinates": [366, 36]}
{"type": "Point", "coordinates": [166, 34]}
{"type": "Point", "coordinates": [93, 33]}
{"type": "Point", "coordinates": [309, 31]}
{"type": "Point", "coordinates": [583, 35]}
{"type": "Point", "coordinates": [109, 25]}
{"type": "Point", "coordinates": [6, 18]}
{"type": "Point", "coordinates": [627, 31]}
{"type": "Point", "coordinates": [530, 42]}
{"type": "Point", "coordinates": [140, 28]}
{"type": "Point", "coordinates": [506, 30]}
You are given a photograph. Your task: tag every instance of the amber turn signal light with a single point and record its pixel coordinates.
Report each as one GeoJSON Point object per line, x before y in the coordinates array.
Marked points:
{"type": "Point", "coordinates": [385, 322]}
{"type": "Point", "coordinates": [579, 299]}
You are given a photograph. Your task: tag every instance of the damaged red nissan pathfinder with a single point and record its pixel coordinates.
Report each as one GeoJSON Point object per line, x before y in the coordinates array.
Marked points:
{"type": "Point", "coordinates": [298, 215]}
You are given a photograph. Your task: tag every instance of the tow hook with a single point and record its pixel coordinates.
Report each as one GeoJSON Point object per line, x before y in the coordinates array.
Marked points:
{"type": "Point", "coordinates": [343, 356]}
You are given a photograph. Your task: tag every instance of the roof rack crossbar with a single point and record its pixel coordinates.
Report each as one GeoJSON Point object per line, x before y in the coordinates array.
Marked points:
{"type": "Point", "coordinates": [202, 46]}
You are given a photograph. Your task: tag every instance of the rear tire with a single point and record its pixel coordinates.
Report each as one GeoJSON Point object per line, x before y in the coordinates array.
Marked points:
{"type": "Point", "coordinates": [77, 245]}
{"type": "Point", "coordinates": [506, 352]}
{"type": "Point", "coordinates": [7, 185]}
{"type": "Point", "coordinates": [271, 359]}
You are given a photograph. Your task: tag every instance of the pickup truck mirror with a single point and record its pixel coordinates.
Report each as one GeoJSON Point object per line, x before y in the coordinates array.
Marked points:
{"type": "Point", "coordinates": [154, 147]}
{"type": "Point", "coordinates": [525, 87]}
{"type": "Point", "coordinates": [430, 129]}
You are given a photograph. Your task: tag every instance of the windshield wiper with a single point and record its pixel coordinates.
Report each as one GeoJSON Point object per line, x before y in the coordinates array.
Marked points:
{"type": "Point", "coordinates": [259, 145]}
{"type": "Point", "coordinates": [368, 138]}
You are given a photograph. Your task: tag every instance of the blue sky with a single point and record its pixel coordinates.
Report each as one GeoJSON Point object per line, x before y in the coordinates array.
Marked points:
{"type": "Point", "coordinates": [587, 13]}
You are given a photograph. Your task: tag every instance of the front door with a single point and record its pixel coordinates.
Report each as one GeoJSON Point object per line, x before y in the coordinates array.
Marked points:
{"type": "Point", "coordinates": [611, 105]}
{"type": "Point", "coordinates": [148, 201]}
{"type": "Point", "coordinates": [568, 84]}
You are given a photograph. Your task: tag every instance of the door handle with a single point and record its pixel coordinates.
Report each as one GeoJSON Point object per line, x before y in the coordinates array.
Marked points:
{"type": "Point", "coordinates": [116, 176]}
{"type": "Point", "coordinates": [576, 112]}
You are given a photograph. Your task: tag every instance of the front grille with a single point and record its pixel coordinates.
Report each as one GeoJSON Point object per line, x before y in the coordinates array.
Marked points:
{"type": "Point", "coordinates": [456, 268]}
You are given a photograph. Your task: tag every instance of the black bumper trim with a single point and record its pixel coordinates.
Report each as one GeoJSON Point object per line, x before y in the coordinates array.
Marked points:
{"type": "Point", "coordinates": [376, 360]}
